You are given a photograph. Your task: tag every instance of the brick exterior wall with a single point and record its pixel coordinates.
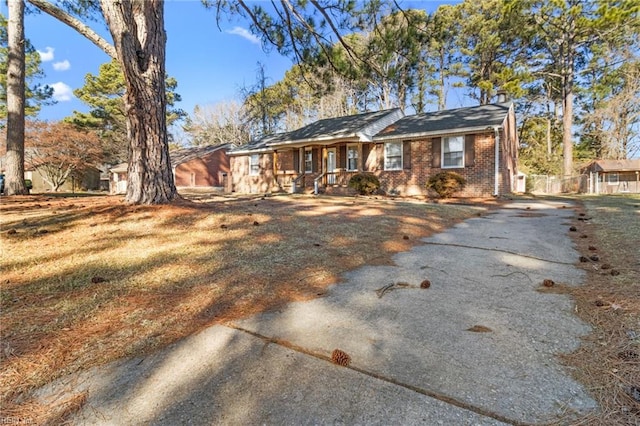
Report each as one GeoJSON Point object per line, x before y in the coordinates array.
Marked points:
{"type": "Point", "coordinates": [241, 180]}
{"type": "Point", "coordinates": [205, 171]}
{"type": "Point", "coordinates": [410, 181]}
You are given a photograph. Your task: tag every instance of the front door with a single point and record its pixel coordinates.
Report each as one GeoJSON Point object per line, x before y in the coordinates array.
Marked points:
{"type": "Point", "coordinates": [331, 166]}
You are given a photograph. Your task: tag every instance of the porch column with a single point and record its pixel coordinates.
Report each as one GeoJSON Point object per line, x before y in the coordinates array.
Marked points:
{"type": "Point", "coordinates": [275, 163]}
{"type": "Point", "coordinates": [324, 159]}
{"type": "Point", "coordinates": [275, 185]}
{"type": "Point", "coordinates": [324, 165]}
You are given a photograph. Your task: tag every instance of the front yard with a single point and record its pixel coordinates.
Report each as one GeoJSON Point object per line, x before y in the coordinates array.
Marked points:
{"type": "Point", "coordinates": [89, 280]}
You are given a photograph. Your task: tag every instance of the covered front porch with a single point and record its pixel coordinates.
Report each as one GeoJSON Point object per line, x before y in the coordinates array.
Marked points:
{"type": "Point", "coordinates": [321, 168]}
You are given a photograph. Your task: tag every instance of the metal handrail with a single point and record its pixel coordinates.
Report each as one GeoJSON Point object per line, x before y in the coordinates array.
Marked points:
{"type": "Point", "coordinates": [316, 183]}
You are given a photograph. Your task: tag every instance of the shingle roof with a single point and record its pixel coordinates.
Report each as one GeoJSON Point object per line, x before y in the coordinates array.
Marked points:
{"type": "Point", "coordinates": [120, 168]}
{"type": "Point", "coordinates": [334, 128]}
{"type": "Point", "coordinates": [256, 145]}
{"type": "Point", "coordinates": [187, 154]}
{"type": "Point", "coordinates": [478, 117]}
{"type": "Point", "coordinates": [615, 165]}
{"type": "Point", "coordinates": [328, 129]}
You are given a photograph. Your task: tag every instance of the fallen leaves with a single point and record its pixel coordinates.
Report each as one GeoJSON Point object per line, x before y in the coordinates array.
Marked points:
{"type": "Point", "coordinates": [479, 329]}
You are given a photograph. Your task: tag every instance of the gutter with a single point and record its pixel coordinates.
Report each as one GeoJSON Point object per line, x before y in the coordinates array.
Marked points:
{"type": "Point", "coordinates": [404, 136]}
{"type": "Point", "coordinates": [496, 177]}
{"type": "Point", "coordinates": [320, 140]}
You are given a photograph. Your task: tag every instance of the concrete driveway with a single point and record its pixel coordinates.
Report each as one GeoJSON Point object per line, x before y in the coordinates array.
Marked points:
{"type": "Point", "coordinates": [477, 347]}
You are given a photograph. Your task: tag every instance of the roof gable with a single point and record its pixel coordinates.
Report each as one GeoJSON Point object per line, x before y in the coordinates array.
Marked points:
{"type": "Point", "coordinates": [360, 126]}
{"type": "Point", "coordinates": [615, 165]}
{"type": "Point", "coordinates": [478, 117]}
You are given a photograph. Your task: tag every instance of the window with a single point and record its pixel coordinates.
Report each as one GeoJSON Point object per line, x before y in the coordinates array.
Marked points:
{"type": "Point", "coordinates": [352, 157]}
{"type": "Point", "coordinates": [308, 161]}
{"type": "Point", "coordinates": [452, 152]}
{"type": "Point", "coordinates": [254, 165]}
{"type": "Point", "coordinates": [613, 178]}
{"type": "Point", "coordinates": [393, 156]}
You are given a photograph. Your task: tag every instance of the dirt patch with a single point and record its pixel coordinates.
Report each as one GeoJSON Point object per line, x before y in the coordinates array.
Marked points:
{"type": "Point", "coordinates": [108, 280]}
{"type": "Point", "coordinates": [608, 362]}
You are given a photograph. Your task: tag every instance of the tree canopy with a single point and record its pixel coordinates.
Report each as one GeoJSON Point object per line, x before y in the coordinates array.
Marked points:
{"type": "Point", "coordinates": [550, 56]}
{"type": "Point", "coordinates": [568, 65]}
{"type": "Point", "coordinates": [104, 94]}
{"type": "Point", "coordinates": [58, 151]}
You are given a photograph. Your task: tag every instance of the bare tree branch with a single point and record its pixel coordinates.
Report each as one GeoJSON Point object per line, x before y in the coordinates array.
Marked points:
{"type": "Point", "coordinates": [76, 24]}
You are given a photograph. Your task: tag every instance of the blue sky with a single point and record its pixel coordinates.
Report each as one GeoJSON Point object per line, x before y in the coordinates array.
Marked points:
{"type": "Point", "coordinates": [211, 64]}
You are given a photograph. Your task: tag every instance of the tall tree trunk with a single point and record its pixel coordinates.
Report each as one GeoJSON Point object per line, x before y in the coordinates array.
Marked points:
{"type": "Point", "coordinates": [568, 60]}
{"type": "Point", "coordinates": [137, 28]}
{"type": "Point", "coordinates": [14, 173]}
{"type": "Point", "coordinates": [567, 124]}
{"type": "Point", "coordinates": [442, 98]}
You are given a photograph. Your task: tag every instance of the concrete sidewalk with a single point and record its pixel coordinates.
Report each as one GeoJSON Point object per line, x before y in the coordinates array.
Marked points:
{"type": "Point", "coordinates": [413, 356]}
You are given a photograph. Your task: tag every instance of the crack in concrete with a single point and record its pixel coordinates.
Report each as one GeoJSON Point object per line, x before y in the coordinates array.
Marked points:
{"type": "Point", "coordinates": [431, 394]}
{"type": "Point", "coordinates": [497, 250]}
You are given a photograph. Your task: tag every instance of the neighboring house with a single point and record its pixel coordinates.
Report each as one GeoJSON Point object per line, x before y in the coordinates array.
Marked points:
{"type": "Point", "coordinates": [613, 176]}
{"type": "Point", "coordinates": [206, 166]}
{"type": "Point", "coordinates": [201, 167]}
{"type": "Point", "coordinates": [478, 142]}
{"type": "Point", "coordinates": [88, 180]}
{"type": "Point", "coordinates": [118, 179]}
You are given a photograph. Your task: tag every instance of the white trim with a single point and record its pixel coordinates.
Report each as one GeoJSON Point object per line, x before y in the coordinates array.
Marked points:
{"type": "Point", "coordinates": [496, 171]}
{"type": "Point", "coordinates": [442, 139]}
{"type": "Point", "coordinates": [253, 172]}
{"type": "Point", "coordinates": [435, 133]}
{"type": "Point", "coordinates": [249, 151]}
{"type": "Point", "coordinates": [321, 140]}
{"type": "Point", "coordinates": [304, 161]}
{"type": "Point", "coordinates": [384, 156]}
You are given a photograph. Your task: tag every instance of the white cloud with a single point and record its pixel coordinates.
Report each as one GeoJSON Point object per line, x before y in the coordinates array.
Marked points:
{"type": "Point", "coordinates": [61, 66]}
{"type": "Point", "coordinates": [244, 33]}
{"type": "Point", "coordinates": [61, 92]}
{"type": "Point", "coordinates": [47, 55]}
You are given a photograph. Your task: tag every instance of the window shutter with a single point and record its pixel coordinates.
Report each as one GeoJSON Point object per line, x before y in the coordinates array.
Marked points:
{"type": "Point", "coordinates": [296, 160]}
{"type": "Point", "coordinates": [406, 155]}
{"type": "Point", "coordinates": [314, 160]}
{"type": "Point", "coordinates": [469, 150]}
{"type": "Point", "coordinates": [343, 157]}
{"type": "Point", "coordinates": [366, 149]}
{"type": "Point", "coordinates": [380, 156]}
{"type": "Point", "coordinates": [436, 152]}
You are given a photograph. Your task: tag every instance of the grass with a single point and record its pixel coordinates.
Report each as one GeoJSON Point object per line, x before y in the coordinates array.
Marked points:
{"type": "Point", "coordinates": [89, 280]}
{"type": "Point", "coordinates": [608, 361]}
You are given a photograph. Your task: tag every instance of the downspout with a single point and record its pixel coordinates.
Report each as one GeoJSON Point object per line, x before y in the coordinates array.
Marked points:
{"type": "Point", "coordinates": [496, 176]}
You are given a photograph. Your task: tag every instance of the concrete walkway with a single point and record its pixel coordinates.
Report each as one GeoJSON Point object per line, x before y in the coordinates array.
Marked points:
{"type": "Point", "coordinates": [414, 356]}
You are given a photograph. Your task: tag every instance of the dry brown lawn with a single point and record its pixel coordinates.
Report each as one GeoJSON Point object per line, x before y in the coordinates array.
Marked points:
{"type": "Point", "coordinates": [608, 361]}
{"type": "Point", "coordinates": [89, 280]}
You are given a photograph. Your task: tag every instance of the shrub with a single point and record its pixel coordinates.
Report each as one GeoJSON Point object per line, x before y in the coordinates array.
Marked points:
{"type": "Point", "coordinates": [445, 184]}
{"type": "Point", "coordinates": [28, 184]}
{"type": "Point", "coordinates": [364, 183]}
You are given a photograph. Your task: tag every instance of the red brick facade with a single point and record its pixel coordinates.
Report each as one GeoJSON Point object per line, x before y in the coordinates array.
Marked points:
{"type": "Point", "coordinates": [421, 158]}
{"type": "Point", "coordinates": [243, 181]}
{"type": "Point", "coordinates": [205, 171]}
